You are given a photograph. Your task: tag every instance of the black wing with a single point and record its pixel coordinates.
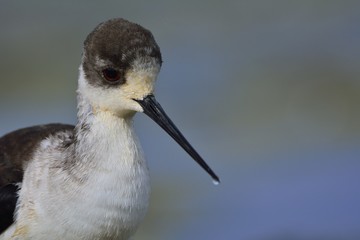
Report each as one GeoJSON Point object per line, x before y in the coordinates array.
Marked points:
{"type": "Point", "coordinates": [16, 148]}
{"type": "Point", "coordinates": [8, 199]}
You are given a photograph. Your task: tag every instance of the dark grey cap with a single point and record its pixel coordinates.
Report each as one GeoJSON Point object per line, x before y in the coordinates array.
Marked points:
{"type": "Point", "coordinates": [118, 43]}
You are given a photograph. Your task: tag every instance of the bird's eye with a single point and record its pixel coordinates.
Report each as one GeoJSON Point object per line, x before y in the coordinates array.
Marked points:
{"type": "Point", "coordinates": [111, 74]}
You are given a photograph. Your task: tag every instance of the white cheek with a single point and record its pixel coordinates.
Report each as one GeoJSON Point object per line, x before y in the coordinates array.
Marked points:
{"type": "Point", "coordinates": [110, 99]}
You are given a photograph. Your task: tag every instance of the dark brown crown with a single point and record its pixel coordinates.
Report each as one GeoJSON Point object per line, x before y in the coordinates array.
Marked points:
{"type": "Point", "coordinates": [118, 43]}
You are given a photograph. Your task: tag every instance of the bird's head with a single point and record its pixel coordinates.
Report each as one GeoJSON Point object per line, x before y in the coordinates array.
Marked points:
{"type": "Point", "coordinates": [120, 64]}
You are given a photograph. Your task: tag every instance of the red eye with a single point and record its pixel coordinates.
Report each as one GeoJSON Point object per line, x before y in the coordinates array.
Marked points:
{"type": "Point", "coordinates": [111, 75]}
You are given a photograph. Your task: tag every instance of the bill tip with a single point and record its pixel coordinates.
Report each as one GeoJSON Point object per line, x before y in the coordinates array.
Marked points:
{"type": "Point", "coordinates": [216, 182]}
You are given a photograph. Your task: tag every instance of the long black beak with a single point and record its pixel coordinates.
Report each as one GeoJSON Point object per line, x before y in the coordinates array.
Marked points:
{"type": "Point", "coordinates": [154, 110]}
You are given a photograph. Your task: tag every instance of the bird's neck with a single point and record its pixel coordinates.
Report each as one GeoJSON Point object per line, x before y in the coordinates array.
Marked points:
{"type": "Point", "coordinates": [102, 137]}
{"type": "Point", "coordinates": [106, 173]}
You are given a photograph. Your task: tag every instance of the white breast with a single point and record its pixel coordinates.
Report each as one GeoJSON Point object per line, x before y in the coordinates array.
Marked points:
{"type": "Point", "coordinates": [102, 195]}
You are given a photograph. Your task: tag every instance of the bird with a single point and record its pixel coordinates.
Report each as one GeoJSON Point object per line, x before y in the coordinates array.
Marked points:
{"type": "Point", "coordinates": [91, 180]}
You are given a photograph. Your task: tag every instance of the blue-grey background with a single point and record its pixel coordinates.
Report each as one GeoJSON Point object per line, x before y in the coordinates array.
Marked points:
{"type": "Point", "coordinates": [267, 91]}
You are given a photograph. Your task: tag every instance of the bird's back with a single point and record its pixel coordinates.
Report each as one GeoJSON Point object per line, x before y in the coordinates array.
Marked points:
{"type": "Point", "coordinates": [16, 149]}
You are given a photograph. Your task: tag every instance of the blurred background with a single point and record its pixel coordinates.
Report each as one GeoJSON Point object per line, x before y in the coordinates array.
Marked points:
{"type": "Point", "coordinates": [267, 91]}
